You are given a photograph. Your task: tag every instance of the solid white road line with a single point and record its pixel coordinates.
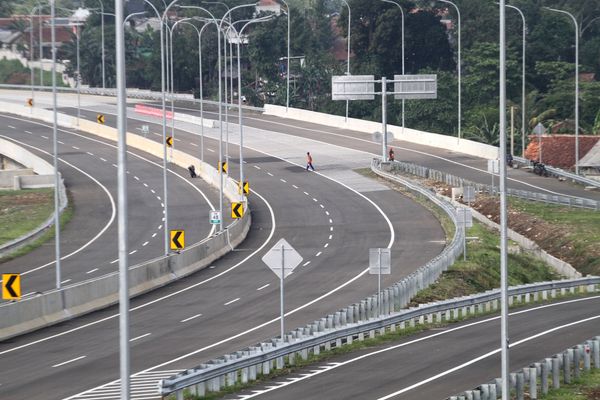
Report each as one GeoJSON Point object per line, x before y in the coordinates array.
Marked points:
{"type": "Point", "coordinates": [140, 337]}
{"type": "Point", "coordinates": [264, 286]}
{"type": "Point", "coordinates": [70, 361]}
{"type": "Point", "coordinates": [191, 318]}
{"type": "Point", "coordinates": [231, 302]}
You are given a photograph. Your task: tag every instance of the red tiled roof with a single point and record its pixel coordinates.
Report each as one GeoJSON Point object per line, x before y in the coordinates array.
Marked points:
{"type": "Point", "coordinates": [559, 150]}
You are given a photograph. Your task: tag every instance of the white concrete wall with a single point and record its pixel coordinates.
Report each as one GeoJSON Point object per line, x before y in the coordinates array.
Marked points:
{"type": "Point", "coordinates": [369, 127]}
{"type": "Point", "coordinates": [7, 177]}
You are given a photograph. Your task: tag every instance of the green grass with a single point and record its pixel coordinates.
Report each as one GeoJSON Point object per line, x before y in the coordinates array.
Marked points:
{"type": "Point", "coordinates": [481, 271]}
{"type": "Point", "coordinates": [21, 211]}
{"type": "Point", "coordinates": [65, 217]}
{"type": "Point", "coordinates": [586, 388]}
{"type": "Point", "coordinates": [580, 232]}
{"type": "Point", "coordinates": [13, 72]}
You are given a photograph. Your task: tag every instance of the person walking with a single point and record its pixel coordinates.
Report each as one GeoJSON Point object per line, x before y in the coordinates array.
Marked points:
{"type": "Point", "coordinates": [391, 154]}
{"type": "Point", "coordinates": [309, 161]}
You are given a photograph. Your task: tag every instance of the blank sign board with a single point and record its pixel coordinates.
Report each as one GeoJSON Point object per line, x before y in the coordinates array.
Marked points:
{"type": "Point", "coordinates": [353, 87]}
{"type": "Point", "coordinates": [415, 87]}
{"type": "Point", "coordinates": [380, 259]}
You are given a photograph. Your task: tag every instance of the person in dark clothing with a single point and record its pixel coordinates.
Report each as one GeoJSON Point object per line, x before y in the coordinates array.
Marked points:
{"type": "Point", "coordinates": [192, 170]}
{"type": "Point", "coordinates": [391, 154]}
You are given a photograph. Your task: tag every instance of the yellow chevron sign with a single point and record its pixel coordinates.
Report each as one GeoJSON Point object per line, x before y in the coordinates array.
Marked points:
{"type": "Point", "coordinates": [100, 118]}
{"type": "Point", "coordinates": [244, 188]}
{"type": "Point", "coordinates": [11, 286]}
{"type": "Point", "coordinates": [177, 239]}
{"type": "Point", "coordinates": [237, 210]}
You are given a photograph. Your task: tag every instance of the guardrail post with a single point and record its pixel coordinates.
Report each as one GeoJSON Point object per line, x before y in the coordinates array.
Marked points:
{"type": "Point", "coordinates": [496, 389]}
{"type": "Point", "coordinates": [344, 316]}
{"type": "Point", "coordinates": [544, 376]}
{"type": "Point", "coordinates": [520, 385]}
{"type": "Point", "coordinates": [556, 372]}
{"type": "Point", "coordinates": [544, 295]}
{"type": "Point", "coordinates": [576, 361]}
{"type": "Point", "coordinates": [485, 391]}
{"type": "Point", "coordinates": [596, 351]}
{"type": "Point", "coordinates": [266, 366]}
{"type": "Point", "coordinates": [397, 305]}
{"type": "Point", "coordinates": [567, 366]}
{"type": "Point", "coordinates": [587, 356]}
{"type": "Point", "coordinates": [533, 383]}
{"type": "Point", "coordinates": [363, 310]}
{"type": "Point", "coordinates": [231, 377]}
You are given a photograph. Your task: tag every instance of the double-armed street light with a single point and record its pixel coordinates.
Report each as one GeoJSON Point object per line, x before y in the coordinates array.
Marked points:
{"type": "Point", "coordinates": [348, 51]}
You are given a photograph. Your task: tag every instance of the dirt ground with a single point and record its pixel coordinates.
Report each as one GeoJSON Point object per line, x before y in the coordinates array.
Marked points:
{"type": "Point", "coordinates": [555, 240]}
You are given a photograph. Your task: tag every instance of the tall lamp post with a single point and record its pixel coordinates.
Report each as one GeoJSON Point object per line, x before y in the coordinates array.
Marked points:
{"type": "Point", "coordinates": [576, 83]}
{"type": "Point", "coordinates": [403, 71]}
{"type": "Point", "coordinates": [504, 338]}
{"type": "Point", "coordinates": [523, 67]}
{"type": "Point", "coordinates": [459, 68]}
{"type": "Point", "coordinates": [33, 10]}
{"type": "Point", "coordinates": [102, 41]}
{"type": "Point", "coordinates": [348, 57]}
{"type": "Point", "coordinates": [287, 100]}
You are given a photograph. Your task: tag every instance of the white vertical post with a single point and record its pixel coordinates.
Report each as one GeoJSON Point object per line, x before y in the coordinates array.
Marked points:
{"type": "Point", "coordinates": [384, 119]}
{"type": "Point", "coordinates": [122, 200]}
{"type": "Point", "coordinates": [281, 289]}
{"type": "Point", "coordinates": [503, 209]}
{"type": "Point", "coordinates": [78, 75]}
{"type": "Point", "coordinates": [348, 57]}
{"type": "Point", "coordinates": [379, 284]}
{"type": "Point", "coordinates": [55, 147]}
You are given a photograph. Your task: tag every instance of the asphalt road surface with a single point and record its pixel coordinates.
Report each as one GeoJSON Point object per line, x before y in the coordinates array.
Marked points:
{"type": "Point", "coordinates": [89, 240]}
{"type": "Point", "coordinates": [439, 363]}
{"type": "Point", "coordinates": [332, 217]}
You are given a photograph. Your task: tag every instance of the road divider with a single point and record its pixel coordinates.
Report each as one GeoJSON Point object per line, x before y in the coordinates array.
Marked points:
{"type": "Point", "coordinates": [157, 112]}
{"type": "Point", "coordinates": [84, 297]}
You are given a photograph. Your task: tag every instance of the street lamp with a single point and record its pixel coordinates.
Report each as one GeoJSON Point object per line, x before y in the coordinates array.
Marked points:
{"type": "Point", "coordinates": [402, 12]}
{"type": "Point", "coordinates": [459, 68]}
{"type": "Point", "coordinates": [102, 29]}
{"type": "Point", "coordinates": [504, 338]}
{"type": "Point", "coordinates": [38, 7]}
{"type": "Point", "coordinates": [348, 60]}
{"type": "Point", "coordinates": [287, 100]}
{"type": "Point", "coordinates": [523, 67]}
{"type": "Point", "coordinates": [576, 84]}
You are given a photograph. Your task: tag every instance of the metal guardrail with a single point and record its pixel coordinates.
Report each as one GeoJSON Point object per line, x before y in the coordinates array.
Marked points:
{"type": "Point", "coordinates": [456, 181]}
{"type": "Point", "coordinates": [394, 299]}
{"type": "Point", "coordinates": [340, 328]}
{"type": "Point", "coordinates": [566, 365]}
{"type": "Point", "coordinates": [562, 173]}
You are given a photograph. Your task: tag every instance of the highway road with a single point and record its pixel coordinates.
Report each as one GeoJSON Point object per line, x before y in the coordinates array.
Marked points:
{"type": "Point", "coordinates": [440, 362]}
{"type": "Point", "coordinates": [89, 240]}
{"type": "Point", "coordinates": [331, 217]}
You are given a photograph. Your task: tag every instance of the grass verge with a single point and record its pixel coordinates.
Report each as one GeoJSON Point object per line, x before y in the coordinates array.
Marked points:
{"type": "Point", "coordinates": [21, 211]}
{"type": "Point", "coordinates": [587, 387]}
{"type": "Point", "coordinates": [65, 217]}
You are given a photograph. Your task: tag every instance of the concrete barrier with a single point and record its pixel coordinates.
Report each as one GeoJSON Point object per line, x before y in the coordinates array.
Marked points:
{"type": "Point", "coordinates": [7, 177]}
{"type": "Point", "coordinates": [81, 298]}
{"type": "Point", "coordinates": [33, 181]}
{"type": "Point", "coordinates": [369, 127]}
{"type": "Point", "coordinates": [157, 112]}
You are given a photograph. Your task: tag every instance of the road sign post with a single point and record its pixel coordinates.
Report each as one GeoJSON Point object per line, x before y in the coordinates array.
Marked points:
{"type": "Point", "coordinates": [379, 264]}
{"type": "Point", "coordinates": [465, 219]}
{"type": "Point", "coordinates": [362, 87]}
{"type": "Point", "coordinates": [282, 265]}
{"type": "Point", "coordinates": [539, 130]}
{"type": "Point", "coordinates": [493, 167]}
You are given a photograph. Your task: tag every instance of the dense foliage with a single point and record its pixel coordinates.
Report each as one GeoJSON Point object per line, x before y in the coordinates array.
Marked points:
{"type": "Point", "coordinates": [319, 30]}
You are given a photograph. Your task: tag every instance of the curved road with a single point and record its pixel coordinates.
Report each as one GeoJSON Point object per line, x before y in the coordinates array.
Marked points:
{"type": "Point", "coordinates": [332, 224]}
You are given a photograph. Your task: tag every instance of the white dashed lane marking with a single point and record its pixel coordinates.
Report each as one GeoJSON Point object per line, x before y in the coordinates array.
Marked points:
{"type": "Point", "coordinates": [318, 254]}
{"type": "Point", "coordinates": [140, 337]}
{"type": "Point", "coordinates": [264, 286]}
{"type": "Point", "coordinates": [91, 271]}
{"type": "Point", "coordinates": [68, 362]}
{"type": "Point", "coordinates": [270, 174]}
{"type": "Point", "coordinates": [232, 301]}
{"type": "Point", "coordinates": [191, 318]}
{"type": "Point", "coordinates": [45, 137]}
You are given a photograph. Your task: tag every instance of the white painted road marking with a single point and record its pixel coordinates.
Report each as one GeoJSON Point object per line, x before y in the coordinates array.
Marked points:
{"type": "Point", "coordinates": [91, 271]}
{"type": "Point", "coordinates": [264, 286]}
{"type": "Point", "coordinates": [191, 318]}
{"type": "Point", "coordinates": [67, 362]}
{"type": "Point", "coordinates": [140, 337]}
{"type": "Point", "coordinates": [232, 301]}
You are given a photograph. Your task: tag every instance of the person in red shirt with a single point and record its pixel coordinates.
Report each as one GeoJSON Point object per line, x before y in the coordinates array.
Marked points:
{"type": "Point", "coordinates": [309, 161]}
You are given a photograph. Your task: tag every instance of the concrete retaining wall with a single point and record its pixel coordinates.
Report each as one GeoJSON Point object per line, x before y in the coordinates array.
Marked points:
{"type": "Point", "coordinates": [7, 177]}
{"type": "Point", "coordinates": [33, 181]}
{"type": "Point", "coordinates": [75, 300]}
{"type": "Point", "coordinates": [369, 127]}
